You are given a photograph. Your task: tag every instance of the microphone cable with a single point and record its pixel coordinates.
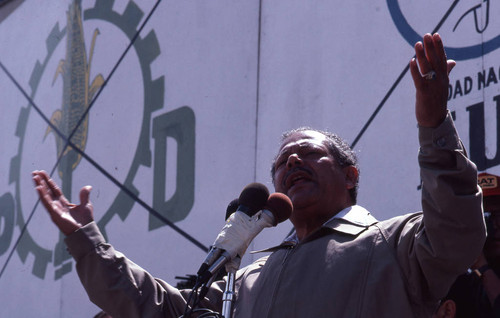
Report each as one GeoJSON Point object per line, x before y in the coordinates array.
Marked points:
{"type": "Point", "coordinates": [195, 296]}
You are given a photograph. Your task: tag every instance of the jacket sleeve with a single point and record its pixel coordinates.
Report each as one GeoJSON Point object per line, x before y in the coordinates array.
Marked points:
{"type": "Point", "coordinates": [122, 288]}
{"type": "Point", "coordinates": [434, 249]}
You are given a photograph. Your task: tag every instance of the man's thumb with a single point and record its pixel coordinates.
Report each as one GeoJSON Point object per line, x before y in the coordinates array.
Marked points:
{"type": "Point", "coordinates": [85, 194]}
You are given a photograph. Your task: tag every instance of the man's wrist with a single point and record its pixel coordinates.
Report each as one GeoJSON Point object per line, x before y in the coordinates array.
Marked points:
{"type": "Point", "coordinates": [481, 270]}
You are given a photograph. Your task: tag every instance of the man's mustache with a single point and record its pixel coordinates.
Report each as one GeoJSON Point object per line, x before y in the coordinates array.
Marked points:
{"type": "Point", "coordinates": [294, 170]}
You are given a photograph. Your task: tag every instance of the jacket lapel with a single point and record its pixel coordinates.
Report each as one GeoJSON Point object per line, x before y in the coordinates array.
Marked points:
{"type": "Point", "coordinates": [356, 220]}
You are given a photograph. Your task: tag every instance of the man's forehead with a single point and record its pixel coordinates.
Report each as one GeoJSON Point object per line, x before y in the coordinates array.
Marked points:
{"type": "Point", "coordinates": [303, 137]}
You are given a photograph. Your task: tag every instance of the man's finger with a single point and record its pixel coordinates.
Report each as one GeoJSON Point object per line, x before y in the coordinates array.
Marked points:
{"type": "Point", "coordinates": [85, 194]}
{"type": "Point", "coordinates": [430, 53]}
{"type": "Point", "coordinates": [423, 63]}
{"type": "Point", "coordinates": [45, 199]}
{"type": "Point", "coordinates": [44, 181]}
{"type": "Point", "coordinates": [415, 73]}
{"type": "Point", "coordinates": [450, 65]}
{"type": "Point", "coordinates": [36, 179]}
{"type": "Point", "coordinates": [55, 191]}
{"type": "Point", "coordinates": [440, 52]}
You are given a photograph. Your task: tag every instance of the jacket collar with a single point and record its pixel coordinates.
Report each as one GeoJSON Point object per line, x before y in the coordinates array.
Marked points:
{"type": "Point", "coordinates": [351, 221]}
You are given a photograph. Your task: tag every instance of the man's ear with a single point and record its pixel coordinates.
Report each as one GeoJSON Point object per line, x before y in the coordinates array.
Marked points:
{"type": "Point", "coordinates": [351, 176]}
{"type": "Point", "coordinates": [447, 309]}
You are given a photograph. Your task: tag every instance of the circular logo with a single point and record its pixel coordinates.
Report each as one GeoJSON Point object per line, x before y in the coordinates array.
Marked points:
{"type": "Point", "coordinates": [475, 17]}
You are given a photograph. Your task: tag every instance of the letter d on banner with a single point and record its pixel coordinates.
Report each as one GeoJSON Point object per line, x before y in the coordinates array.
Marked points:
{"type": "Point", "coordinates": [180, 125]}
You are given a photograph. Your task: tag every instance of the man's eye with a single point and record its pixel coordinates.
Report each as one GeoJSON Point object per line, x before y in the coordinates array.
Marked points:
{"type": "Point", "coordinates": [313, 153]}
{"type": "Point", "coordinates": [279, 163]}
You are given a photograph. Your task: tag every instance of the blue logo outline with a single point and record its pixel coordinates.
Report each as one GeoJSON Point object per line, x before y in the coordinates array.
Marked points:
{"type": "Point", "coordinates": [459, 54]}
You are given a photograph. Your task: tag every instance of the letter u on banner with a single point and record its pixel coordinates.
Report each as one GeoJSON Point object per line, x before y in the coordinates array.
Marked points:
{"type": "Point", "coordinates": [178, 124]}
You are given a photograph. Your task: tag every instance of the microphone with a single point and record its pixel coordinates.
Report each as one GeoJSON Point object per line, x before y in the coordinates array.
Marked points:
{"type": "Point", "coordinates": [232, 207]}
{"type": "Point", "coordinates": [252, 199]}
{"type": "Point", "coordinates": [280, 206]}
{"type": "Point", "coordinates": [240, 230]}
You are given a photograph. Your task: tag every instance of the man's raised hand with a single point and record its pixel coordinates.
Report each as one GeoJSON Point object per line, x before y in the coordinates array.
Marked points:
{"type": "Point", "coordinates": [431, 81]}
{"type": "Point", "coordinates": [67, 216]}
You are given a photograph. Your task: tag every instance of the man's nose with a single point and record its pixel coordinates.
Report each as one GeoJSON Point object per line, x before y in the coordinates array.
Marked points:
{"type": "Point", "coordinates": [293, 160]}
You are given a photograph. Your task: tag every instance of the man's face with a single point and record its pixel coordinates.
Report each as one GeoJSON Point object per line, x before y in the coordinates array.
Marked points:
{"type": "Point", "coordinates": [309, 175]}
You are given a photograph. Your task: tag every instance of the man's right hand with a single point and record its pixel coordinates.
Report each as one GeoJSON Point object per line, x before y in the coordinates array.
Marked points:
{"type": "Point", "coordinates": [67, 216]}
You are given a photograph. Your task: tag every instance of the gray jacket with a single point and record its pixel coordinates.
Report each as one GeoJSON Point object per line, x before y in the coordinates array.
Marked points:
{"type": "Point", "coordinates": [351, 267]}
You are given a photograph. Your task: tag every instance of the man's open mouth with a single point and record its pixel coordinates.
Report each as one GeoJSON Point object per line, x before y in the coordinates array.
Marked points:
{"type": "Point", "coordinates": [297, 177]}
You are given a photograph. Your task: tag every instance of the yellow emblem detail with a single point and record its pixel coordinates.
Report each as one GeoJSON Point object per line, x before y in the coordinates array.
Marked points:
{"type": "Point", "coordinates": [77, 89]}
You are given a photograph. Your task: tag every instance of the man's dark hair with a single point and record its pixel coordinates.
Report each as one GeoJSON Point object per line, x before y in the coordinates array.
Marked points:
{"type": "Point", "coordinates": [338, 148]}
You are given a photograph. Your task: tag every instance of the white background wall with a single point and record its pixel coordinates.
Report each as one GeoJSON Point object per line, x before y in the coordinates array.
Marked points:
{"type": "Point", "coordinates": [249, 70]}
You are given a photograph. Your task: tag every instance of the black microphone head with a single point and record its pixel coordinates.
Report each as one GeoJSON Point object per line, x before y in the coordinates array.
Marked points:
{"type": "Point", "coordinates": [280, 206]}
{"type": "Point", "coordinates": [232, 207]}
{"type": "Point", "coordinates": [253, 198]}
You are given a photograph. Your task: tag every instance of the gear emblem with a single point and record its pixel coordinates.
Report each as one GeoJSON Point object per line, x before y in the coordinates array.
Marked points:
{"type": "Point", "coordinates": [147, 50]}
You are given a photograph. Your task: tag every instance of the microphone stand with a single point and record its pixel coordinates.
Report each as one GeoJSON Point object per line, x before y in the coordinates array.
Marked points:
{"type": "Point", "coordinates": [228, 296]}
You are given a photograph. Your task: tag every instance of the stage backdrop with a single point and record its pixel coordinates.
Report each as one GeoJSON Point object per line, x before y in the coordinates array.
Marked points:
{"type": "Point", "coordinates": [173, 107]}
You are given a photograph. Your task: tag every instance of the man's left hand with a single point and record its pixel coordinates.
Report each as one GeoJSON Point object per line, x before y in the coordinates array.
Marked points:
{"type": "Point", "coordinates": [431, 81]}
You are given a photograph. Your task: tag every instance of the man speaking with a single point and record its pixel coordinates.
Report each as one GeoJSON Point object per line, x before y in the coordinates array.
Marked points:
{"type": "Point", "coordinates": [341, 261]}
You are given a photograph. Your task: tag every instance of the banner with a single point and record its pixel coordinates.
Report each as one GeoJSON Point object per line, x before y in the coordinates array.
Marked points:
{"type": "Point", "coordinates": [169, 108]}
